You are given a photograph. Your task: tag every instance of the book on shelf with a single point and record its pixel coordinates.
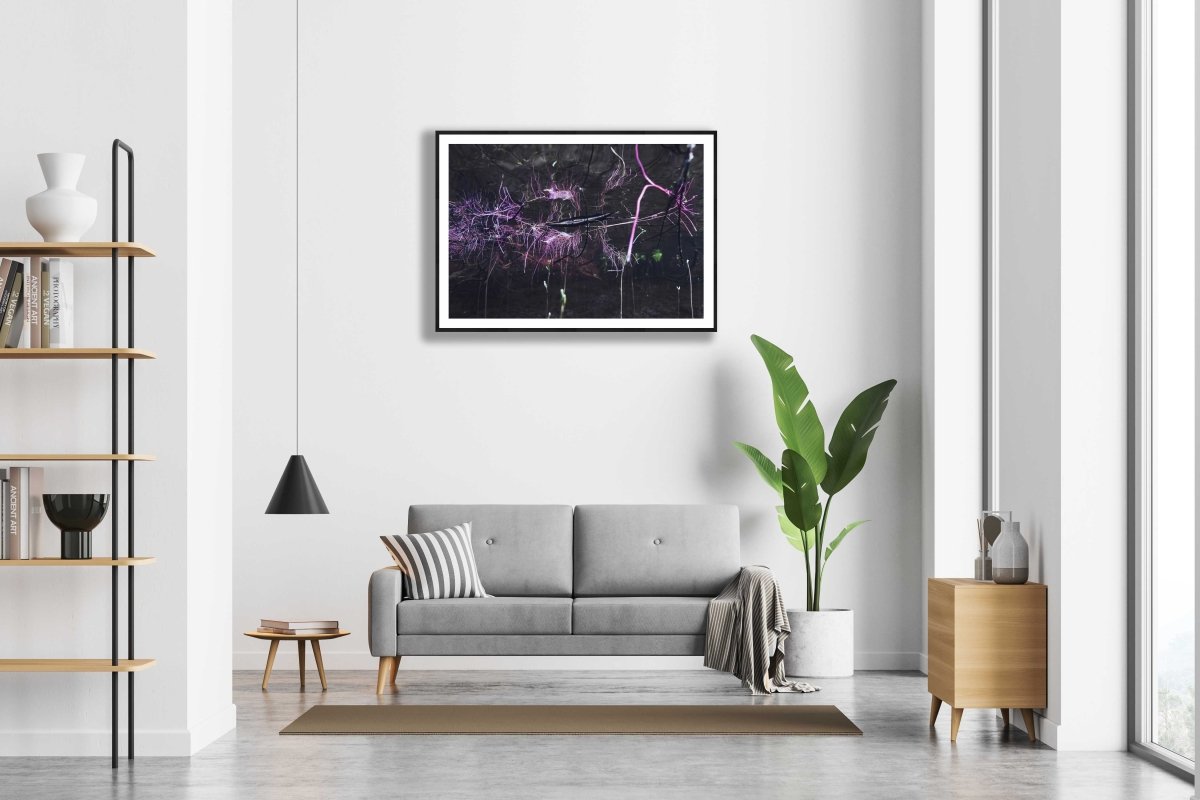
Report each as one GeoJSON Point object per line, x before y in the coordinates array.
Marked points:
{"type": "Point", "coordinates": [4, 489]}
{"type": "Point", "coordinates": [23, 512]}
{"type": "Point", "coordinates": [7, 267]}
{"type": "Point", "coordinates": [44, 303]}
{"type": "Point", "coordinates": [62, 303]}
{"type": "Point", "coordinates": [37, 303]}
{"type": "Point", "coordinates": [31, 321]}
{"type": "Point", "coordinates": [10, 304]}
{"type": "Point", "coordinates": [292, 626]}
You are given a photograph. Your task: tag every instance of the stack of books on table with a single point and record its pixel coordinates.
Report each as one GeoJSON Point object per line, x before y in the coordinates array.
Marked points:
{"type": "Point", "coordinates": [302, 628]}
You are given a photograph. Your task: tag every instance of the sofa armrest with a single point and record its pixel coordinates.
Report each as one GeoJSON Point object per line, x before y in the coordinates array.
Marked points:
{"type": "Point", "coordinates": [385, 591]}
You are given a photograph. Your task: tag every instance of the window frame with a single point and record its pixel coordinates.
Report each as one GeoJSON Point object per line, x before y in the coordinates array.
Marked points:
{"type": "Point", "coordinates": [1141, 423]}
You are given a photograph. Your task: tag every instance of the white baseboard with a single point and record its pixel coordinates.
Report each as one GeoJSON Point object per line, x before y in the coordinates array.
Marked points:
{"type": "Point", "coordinates": [1047, 729]}
{"type": "Point", "coordinates": [93, 742]}
{"type": "Point", "coordinates": [888, 661]}
{"type": "Point", "coordinates": [213, 728]}
{"type": "Point", "coordinates": [151, 743]}
{"type": "Point", "coordinates": [360, 660]}
{"type": "Point", "coordinates": [923, 663]}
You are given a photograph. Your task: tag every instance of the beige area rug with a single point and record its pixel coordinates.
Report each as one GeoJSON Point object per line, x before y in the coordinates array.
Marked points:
{"type": "Point", "coordinates": [724, 720]}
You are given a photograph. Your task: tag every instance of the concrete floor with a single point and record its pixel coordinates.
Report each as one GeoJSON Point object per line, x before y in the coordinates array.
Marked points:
{"type": "Point", "coordinates": [899, 756]}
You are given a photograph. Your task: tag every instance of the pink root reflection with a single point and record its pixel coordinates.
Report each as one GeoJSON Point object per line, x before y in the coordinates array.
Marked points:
{"type": "Point", "coordinates": [637, 211]}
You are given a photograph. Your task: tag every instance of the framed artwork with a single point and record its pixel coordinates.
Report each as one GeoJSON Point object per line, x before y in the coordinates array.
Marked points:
{"type": "Point", "coordinates": [554, 231]}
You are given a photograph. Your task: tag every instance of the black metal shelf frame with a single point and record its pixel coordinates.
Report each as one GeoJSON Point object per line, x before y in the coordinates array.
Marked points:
{"type": "Point", "coordinates": [117, 148]}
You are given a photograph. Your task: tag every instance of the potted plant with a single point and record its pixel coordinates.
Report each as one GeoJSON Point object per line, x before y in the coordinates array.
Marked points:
{"type": "Point", "coordinates": [822, 640]}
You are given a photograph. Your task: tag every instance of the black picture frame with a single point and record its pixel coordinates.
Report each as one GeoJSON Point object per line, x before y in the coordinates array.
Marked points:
{"type": "Point", "coordinates": [444, 323]}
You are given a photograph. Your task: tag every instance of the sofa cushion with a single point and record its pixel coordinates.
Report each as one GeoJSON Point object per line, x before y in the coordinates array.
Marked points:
{"type": "Point", "coordinates": [504, 616]}
{"type": "Point", "coordinates": [520, 551]}
{"type": "Point", "coordinates": [654, 550]}
{"type": "Point", "coordinates": [437, 564]}
{"type": "Point", "coordinates": [639, 616]}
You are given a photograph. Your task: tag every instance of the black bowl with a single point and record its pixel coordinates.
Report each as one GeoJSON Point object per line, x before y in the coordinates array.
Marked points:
{"type": "Point", "coordinates": [75, 512]}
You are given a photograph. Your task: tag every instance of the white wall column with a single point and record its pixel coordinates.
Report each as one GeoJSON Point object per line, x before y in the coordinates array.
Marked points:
{"type": "Point", "coordinates": [952, 293]}
{"type": "Point", "coordinates": [210, 369]}
{"type": "Point", "coordinates": [1061, 394]}
{"type": "Point", "coordinates": [1094, 542]}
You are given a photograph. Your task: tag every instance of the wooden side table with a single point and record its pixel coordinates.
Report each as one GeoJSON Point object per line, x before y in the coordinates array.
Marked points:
{"type": "Point", "coordinates": [987, 648]}
{"type": "Point", "coordinates": [299, 639]}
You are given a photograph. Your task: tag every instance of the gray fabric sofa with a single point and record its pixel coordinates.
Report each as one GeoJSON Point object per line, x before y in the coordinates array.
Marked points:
{"type": "Point", "coordinates": [589, 580]}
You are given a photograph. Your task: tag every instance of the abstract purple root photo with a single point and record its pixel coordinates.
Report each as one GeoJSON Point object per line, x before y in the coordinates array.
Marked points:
{"type": "Point", "coordinates": [566, 234]}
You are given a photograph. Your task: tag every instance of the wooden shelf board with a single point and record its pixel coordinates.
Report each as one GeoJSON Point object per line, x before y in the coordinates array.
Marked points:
{"type": "Point", "coordinates": [125, 561]}
{"type": "Point", "coordinates": [74, 664]}
{"type": "Point", "coordinates": [74, 249]}
{"type": "Point", "coordinates": [77, 353]}
{"type": "Point", "coordinates": [75, 457]}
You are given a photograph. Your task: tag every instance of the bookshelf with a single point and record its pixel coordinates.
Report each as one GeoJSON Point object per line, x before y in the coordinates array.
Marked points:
{"type": "Point", "coordinates": [117, 356]}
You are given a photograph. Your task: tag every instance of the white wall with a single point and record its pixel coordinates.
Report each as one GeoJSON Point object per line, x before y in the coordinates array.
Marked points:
{"type": "Point", "coordinates": [818, 106]}
{"type": "Point", "coordinates": [210, 366]}
{"type": "Point", "coordinates": [952, 290]}
{"type": "Point", "coordinates": [1028, 392]}
{"type": "Point", "coordinates": [1094, 415]}
{"type": "Point", "coordinates": [99, 71]}
{"type": "Point", "coordinates": [1061, 399]}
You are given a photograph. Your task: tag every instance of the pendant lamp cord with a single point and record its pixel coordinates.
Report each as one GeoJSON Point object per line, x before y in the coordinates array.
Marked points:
{"type": "Point", "coordinates": [297, 227]}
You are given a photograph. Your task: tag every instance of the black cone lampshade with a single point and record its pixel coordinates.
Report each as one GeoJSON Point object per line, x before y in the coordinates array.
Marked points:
{"type": "Point", "coordinates": [297, 492]}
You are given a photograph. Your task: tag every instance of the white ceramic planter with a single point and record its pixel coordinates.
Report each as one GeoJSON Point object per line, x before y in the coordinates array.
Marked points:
{"type": "Point", "coordinates": [821, 644]}
{"type": "Point", "coordinates": [61, 213]}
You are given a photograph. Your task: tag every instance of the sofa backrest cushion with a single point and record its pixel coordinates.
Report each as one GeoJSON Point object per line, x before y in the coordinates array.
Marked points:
{"type": "Point", "coordinates": [520, 551]}
{"type": "Point", "coordinates": [655, 550]}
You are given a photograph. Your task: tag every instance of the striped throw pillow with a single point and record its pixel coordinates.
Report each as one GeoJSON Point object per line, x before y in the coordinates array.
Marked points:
{"type": "Point", "coordinates": [437, 565]}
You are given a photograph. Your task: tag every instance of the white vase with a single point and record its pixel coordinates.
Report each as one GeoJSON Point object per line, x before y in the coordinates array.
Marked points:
{"type": "Point", "coordinates": [821, 644]}
{"type": "Point", "coordinates": [1010, 555]}
{"type": "Point", "coordinates": [61, 213]}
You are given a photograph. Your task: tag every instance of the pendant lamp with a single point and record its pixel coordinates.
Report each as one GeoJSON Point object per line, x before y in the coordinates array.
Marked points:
{"type": "Point", "coordinates": [297, 491]}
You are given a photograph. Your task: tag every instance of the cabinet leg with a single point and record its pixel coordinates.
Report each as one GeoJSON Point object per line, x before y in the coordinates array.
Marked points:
{"type": "Point", "coordinates": [385, 671]}
{"type": "Point", "coordinates": [320, 663]}
{"type": "Point", "coordinates": [1027, 715]}
{"type": "Point", "coordinates": [1004, 713]}
{"type": "Point", "coordinates": [955, 720]}
{"type": "Point", "coordinates": [935, 705]}
{"type": "Point", "coordinates": [270, 663]}
{"type": "Point", "coordinates": [300, 650]}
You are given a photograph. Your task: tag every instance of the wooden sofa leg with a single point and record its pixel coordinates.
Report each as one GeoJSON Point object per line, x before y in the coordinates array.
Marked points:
{"type": "Point", "coordinates": [387, 671]}
{"type": "Point", "coordinates": [395, 669]}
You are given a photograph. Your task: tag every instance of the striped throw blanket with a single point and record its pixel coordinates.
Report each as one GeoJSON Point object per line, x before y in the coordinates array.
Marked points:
{"type": "Point", "coordinates": [747, 626]}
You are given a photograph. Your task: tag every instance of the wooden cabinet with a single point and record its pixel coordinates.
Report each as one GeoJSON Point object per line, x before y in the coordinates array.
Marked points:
{"type": "Point", "coordinates": [987, 648]}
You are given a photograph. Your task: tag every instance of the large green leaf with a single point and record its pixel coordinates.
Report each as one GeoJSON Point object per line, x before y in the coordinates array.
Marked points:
{"type": "Point", "coordinates": [853, 435]}
{"type": "Point", "coordinates": [801, 502]}
{"type": "Point", "coordinates": [766, 467]}
{"type": "Point", "coordinates": [795, 414]}
{"type": "Point", "coordinates": [801, 540]}
{"type": "Point", "coordinates": [829, 548]}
